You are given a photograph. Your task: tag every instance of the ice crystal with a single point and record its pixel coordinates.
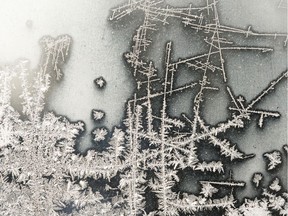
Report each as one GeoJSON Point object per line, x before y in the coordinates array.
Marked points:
{"type": "Point", "coordinates": [98, 115]}
{"type": "Point", "coordinates": [208, 190]}
{"type": "Point", "coordinates": [100, 134]}
{"type": "Point", "coordinates": [275, 186]}
{"type": "Point", "coordinates": [100, 82]}
{"type": "Point", "coordinates": [257, 178]}
{"type": "Point", "coordinates": [274, 159]}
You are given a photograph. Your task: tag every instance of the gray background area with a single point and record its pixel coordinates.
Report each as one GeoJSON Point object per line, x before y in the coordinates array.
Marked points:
{"type": "Point", "coordinates": [98, 46]}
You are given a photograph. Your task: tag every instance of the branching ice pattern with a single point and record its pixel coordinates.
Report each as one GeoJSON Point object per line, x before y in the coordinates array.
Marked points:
{"type": "Point", "coordinates": [161, 145]}
{"type": "Point", "coordinates": [43, 174]}
{"type": "Point", "coordinates": [40, 173]}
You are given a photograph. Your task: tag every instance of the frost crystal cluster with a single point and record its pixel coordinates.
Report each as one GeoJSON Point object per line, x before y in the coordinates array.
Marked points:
{"type": "Point", "coordinates": [139, 166]}
{"type": "Point", "coordinates": [40, 174]}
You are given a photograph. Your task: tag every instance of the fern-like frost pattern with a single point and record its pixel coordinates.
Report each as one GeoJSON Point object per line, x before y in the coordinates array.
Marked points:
{"type": "Point", "coordinates": [138, 171]}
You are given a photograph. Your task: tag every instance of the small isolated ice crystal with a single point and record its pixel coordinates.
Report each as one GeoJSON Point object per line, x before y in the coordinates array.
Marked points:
{"type": "Point", "coordinates": [100, 82]}
{"type": "Point", "coordinates": [98, 115]}
{"type": "Point", "coordinates": [100, 134]}
{"type": "Point", "coordinates": [257, 178]}
{"type": "Point", "coordinates": [274, 159]}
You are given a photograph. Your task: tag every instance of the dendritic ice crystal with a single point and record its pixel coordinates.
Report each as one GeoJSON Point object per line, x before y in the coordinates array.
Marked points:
{"type": "Point", "coordinates": [137, 168]}
{"type": "Point", "coordinates": [40, 174]}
